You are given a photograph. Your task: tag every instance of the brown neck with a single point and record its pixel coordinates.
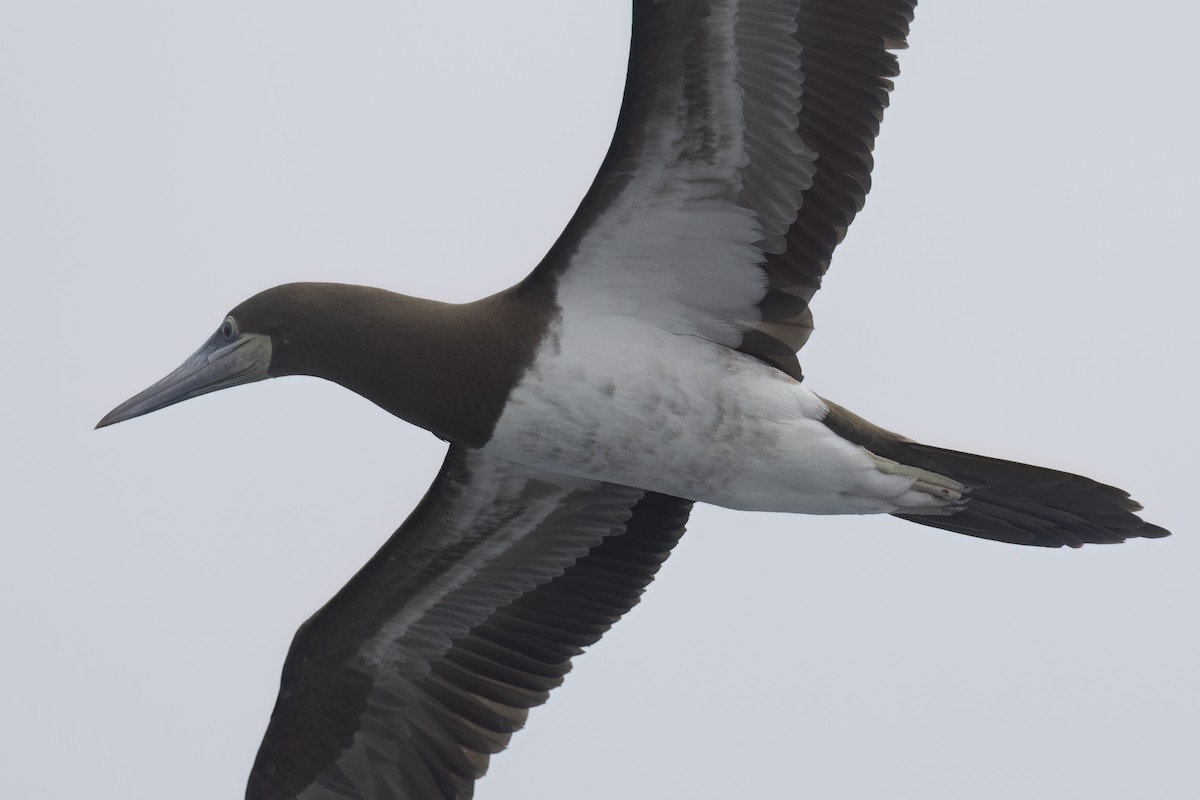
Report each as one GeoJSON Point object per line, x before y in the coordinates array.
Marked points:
{"type": "Point", "coordinates": [447, 368]}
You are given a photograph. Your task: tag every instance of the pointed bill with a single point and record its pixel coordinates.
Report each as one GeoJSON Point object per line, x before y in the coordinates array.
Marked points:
{"type": "Point", "coordinates": [222, 362]}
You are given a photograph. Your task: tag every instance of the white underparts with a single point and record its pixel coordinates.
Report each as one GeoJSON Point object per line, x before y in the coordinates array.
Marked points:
{"type": "Point", "coordinates": [623, 401]}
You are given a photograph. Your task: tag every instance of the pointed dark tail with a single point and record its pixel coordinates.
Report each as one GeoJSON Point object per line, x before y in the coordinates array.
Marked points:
{"type": "Point", "coordinates": [1023, 504]}
{"type": "Point", "coordinates": [1007, 501]}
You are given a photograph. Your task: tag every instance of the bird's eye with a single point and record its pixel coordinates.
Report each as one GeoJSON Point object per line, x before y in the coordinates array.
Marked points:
{"type": "Point", "coordinates": [228, 329]}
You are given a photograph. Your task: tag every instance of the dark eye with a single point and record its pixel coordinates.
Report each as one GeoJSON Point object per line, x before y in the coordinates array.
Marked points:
{"type": "Point", "coordinates": [228, 329]}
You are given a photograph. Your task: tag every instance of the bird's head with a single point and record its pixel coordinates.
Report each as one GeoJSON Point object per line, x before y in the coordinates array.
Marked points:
{"type": "Point", "coordinates": [291, 329]}
{"type": "Point", "coordinates": [440, 366]}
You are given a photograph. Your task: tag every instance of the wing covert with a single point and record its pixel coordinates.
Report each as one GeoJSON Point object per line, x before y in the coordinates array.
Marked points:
{"type": "Point", "coordinates": [742, 154]}
{"type": "Point", "coordinates": [428, 660]}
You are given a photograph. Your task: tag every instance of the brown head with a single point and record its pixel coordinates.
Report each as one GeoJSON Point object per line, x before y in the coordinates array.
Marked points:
{"type": "Point", "coordinates": [447, 368]}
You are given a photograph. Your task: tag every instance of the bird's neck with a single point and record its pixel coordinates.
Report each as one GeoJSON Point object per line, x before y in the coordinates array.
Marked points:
{"type": "Point", "coordinates": [447, 368]}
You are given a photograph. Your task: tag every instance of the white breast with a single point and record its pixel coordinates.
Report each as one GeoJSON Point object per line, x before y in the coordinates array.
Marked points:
{"type": "Point", "coordinates": [621, 400]}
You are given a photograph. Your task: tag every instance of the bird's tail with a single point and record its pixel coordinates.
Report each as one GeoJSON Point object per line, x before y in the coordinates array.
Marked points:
{"type": "Point", "coordinates": [1007, 501]}
{"type": "Point", "coordinates": [1024, 504]}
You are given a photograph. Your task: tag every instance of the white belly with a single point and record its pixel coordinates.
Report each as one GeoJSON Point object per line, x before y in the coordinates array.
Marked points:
{"type": "Point", "coordinates": [630, 403]}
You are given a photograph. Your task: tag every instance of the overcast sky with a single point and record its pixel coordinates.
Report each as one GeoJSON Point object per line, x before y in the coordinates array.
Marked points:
{"type": "Point", "coordinates": [1022, 284]}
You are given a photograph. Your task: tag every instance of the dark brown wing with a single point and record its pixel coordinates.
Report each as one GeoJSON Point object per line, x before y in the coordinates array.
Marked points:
{"type": "Point", "coordinates": [847, 77]}
{"type": "Point", "coordinates": [741, 155]}
{"type": "Point", "coordinates": [405, 683]}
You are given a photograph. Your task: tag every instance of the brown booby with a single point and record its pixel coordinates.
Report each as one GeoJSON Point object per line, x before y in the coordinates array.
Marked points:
{"type": "Point", "coordinates": [647, 363]}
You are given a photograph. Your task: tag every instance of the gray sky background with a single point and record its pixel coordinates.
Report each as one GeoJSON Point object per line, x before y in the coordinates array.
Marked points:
{"type": "Point", "coordinates": [1021, 284]}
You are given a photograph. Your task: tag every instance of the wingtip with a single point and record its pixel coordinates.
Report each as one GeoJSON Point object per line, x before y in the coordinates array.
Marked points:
{"type": "Point", "coordinates": [1151, 531]}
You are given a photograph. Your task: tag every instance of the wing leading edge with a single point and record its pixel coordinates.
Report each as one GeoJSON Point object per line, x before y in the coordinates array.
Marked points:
{"type": "Point", "coordinates": [405, 683]}
{"type": "Point", "coordinates": [741, 156]}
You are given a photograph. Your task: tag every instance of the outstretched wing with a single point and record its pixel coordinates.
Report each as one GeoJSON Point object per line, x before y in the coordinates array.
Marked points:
{"type": "Point", "coordinates": [427, 661]}
{"type": "Point", "coordinates": [742, 154]}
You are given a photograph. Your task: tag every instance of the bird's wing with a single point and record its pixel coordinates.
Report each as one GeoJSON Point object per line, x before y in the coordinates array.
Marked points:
{"type": "Point", "coordinates": [741, 155]}
{"type": "Point", "coordinates": [428, 660]}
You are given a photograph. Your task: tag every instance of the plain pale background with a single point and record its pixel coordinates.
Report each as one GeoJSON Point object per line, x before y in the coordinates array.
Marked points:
{"type": "Point", "coordinates": [1022, 284]}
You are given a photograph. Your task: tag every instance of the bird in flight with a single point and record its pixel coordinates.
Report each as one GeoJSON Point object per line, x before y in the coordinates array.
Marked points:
{"type": "Point", "coordinates": [646, 364]}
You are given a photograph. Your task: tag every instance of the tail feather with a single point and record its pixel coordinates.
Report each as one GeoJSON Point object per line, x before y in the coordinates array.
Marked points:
{"type": "Point", "coordinates": [1008, 501]}
{"type": "Point", "coordinates": [1024, 504]}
